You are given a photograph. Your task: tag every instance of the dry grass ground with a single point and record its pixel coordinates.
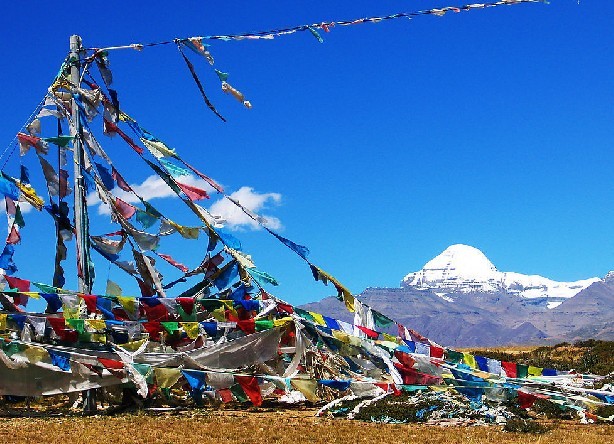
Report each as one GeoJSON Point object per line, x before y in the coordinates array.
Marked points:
{"type": "Point", "coordinates": [255, 427]}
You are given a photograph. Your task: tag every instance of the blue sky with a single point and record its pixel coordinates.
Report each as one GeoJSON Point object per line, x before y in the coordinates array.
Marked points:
{"type": "Point", "coordinates": [380, 147]}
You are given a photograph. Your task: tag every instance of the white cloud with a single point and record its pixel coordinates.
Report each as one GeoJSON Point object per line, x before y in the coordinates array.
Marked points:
{"type": "Point", "coordinates": [236, 219]}
{"type": "Point", "coordinates": [153, 187]}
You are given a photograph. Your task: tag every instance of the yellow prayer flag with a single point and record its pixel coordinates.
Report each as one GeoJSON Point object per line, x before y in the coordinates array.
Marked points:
{"type": "Point", "coordinates": [32, 294]}
{"type": "Point", "coordinates": [130, 305]}
{"type": "Point", "coordinates": [390, 338]}
{"type": "Point", "coordinates": [35, 354]}
{"type": "Point", "coordinates": [307, 387]}
{"type": "Point", "coordinates": [469, 359]}
{"type": "Point", "coordinates": [535, 371]}
{"type": "Point", "coordinates": [342, 336]}
{"type": "Point", "coordinates": [95, 325]}
{"type": "Point", "coordinates": [133, 345]}
{"type": "Point", "coordinates": [98, 337]}
{"type": "Point", "coordinates": [282, 321]}
{"type": "Point", "coordinates": [158, 149]}
{"type": "Point", "coordinates": [348, 299]}
{"type": "Point", "coordinates": [191, 329]}
{"type": "Point", "coordinates": [219, 314]}
{"type": "Point", "coordinates": [167, 377]}
{"type": "Point", "coordinates": [318, 318]}
{"type": "Point", "coordinates": [3, 321]}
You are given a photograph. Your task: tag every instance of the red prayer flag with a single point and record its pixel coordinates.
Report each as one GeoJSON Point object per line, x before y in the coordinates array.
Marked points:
{"type": "Point", "coordinates": [116, 368]}
{"type": "Point", "coordinates": [187, 304]}
{"type": "Point", "coordinates": [120, 180]}
{"type": "Point", "coordinates": [526, 400]}
{"type": "Point", "coordinates": [404, 358]}
{"type": "Point", "coordinates": [111, 364]}
{"type": "Point", "coordinates": [155, 313]}
{"type": "Point", "coordinates": [125, 209]}
{"type": "Point", "coordinates": [370, 333]}
{"type": "Point", "coordinates": [154, 328]}
{"type": "Point", "coordinates": [388, 387]}
{"type": "Point", "coordinates": [226, 395]}
{"type": "Point", "coordinates": [10, 206]}
{"type": "Point", "coordinates": [192, 192]}
{"type": "Point", "coordinates": [110, 127]}
{"type": "Point", "coordinates": [206, 178]}
{"type": "Point", "coordinates": [436, 352]}
{"type": "Point", "coordinates": [248, 326]}
{"type": "Point", "coordinates": [286, 308]}
{"type": "Point", "coordinates": [173, 262]}
{"type": "Point", "coordinates": [90, 302]}
{"type": "Point", "coordinates": [19, 284]}
{"type": "Point", "coordinates": [250, 386]}
{"type": "Point", "coordinates": [27, 139]}
{"type": "Point", "coordinates": [418, 337]}
{"type": "Point", "coordinates": [509, 368]}
{"type": "Point", "coordinates": [59, 327]}
{"type": "Point", "coordinates": [13, 237]}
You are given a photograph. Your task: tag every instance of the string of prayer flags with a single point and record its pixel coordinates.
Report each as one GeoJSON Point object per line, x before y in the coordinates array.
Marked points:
{"type": "Point", "coordinates": [342, 293]}
{"type": "Point", "coordinates": [197, 45]}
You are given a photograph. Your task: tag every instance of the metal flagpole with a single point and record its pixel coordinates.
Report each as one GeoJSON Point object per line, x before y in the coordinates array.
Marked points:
{"type": "Point", "coordinates": [80, 205]}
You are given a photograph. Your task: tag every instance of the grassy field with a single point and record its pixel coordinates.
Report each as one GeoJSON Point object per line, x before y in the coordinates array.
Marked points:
{"type": "Point", "coordinates": [255, 427]}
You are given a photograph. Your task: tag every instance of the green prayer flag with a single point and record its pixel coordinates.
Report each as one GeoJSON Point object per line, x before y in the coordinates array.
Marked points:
{"type": "Point", "coordinates": [62, 141]}
{"type": "Point", "coordinates": [170, 327]}
{"type": "Point", "coordinates": [238, 393]}
{"type": "Point", "coordinates": [304, 314]}
{"type": "Point", "coordinates": [222, 75]}
{"type": "Point", "coordinates": [522, 370]}
{"type": "Point", "coordinates": [380, 319]}
{"type": "Point", "coordinates": [261, 277]}
{"type": "Point", "coordinates": [19, 217]}
{"type": "Point", "coordinates": [11, 348]}
{"type": "Point", "coordinates": [184, 316]}
{"type": "Point", "coordinates": [453, 356]}
{"type": "Point", "coordinates": [44, 288]}
{"type": "Point", "coordinates": [264, 324]}
{"type": "Point", "coordinates": [77, 324]}
{"type": "Point", "coordinates": [145, 370]}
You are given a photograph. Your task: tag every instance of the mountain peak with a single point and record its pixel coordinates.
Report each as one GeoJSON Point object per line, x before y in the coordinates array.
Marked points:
{"type": "Point", "coordinates": [458, 265]}
{"type": "Point", "coordinates": [462, 269]}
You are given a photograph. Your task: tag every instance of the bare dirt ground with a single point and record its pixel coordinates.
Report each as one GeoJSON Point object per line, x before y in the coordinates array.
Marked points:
{"type": "Point", "coordinates": [256, 427]}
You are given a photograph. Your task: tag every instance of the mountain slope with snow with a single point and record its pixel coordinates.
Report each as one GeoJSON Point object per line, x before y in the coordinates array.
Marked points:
{"type": "Point", "coordinates": [465, 269]}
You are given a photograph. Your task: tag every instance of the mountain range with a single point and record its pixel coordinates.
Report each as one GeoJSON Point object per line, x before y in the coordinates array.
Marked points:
{"type": "Point", "coordinates": [459, 298]}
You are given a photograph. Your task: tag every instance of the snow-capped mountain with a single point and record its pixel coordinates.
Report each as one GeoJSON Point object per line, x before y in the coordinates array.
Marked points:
{"type": "Point", "coordinates": [465, 269]}
{"type": "Point", "coordinates": [459, 298]}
